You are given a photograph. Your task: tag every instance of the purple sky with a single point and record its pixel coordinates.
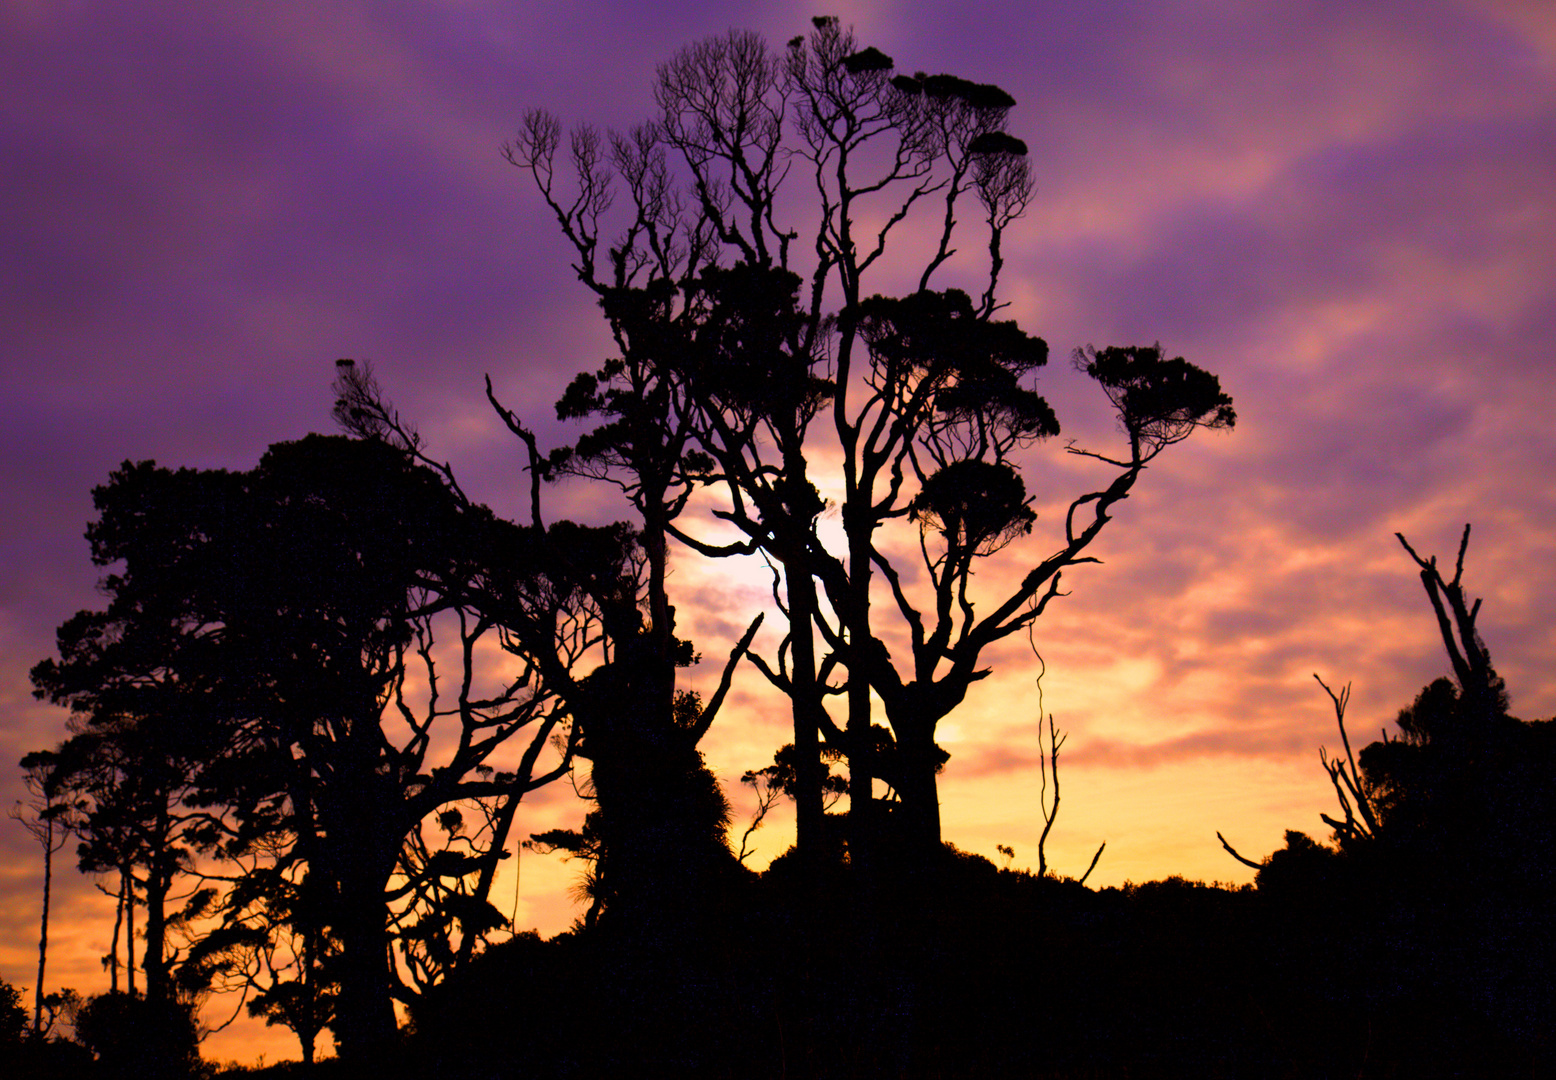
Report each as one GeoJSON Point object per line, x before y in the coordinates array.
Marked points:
{"type": "Point", "coordinates": [1344, 209]}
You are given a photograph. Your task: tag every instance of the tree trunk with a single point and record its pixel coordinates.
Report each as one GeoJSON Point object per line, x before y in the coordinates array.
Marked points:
{"type": "Point", "coordinates": [159, 876]}
{"type": "Point", "coordinates": [307, 1028]}
{"type": "Point", "coordinates": [654, 832]}
{"type": "Point", "coordinates": [662, 814]}
{"type": "Point", "coordinates": [919, 812]}
{"type": "Point", "coordinates": [661, 820]}
{"type": "Point", "coordinates": [365, 1027]}
{"type": "Point", "coordinates": [43, 932]}
{"type": "Point", "coordinates": [861, 739]}
{"type": "Point", "coordinates": [129, 930]}
{"type": "Point", "coordinates": [113, 945]}
{"type": "Point", "coordinates": [359, 846]}
{"type": "Point", "coordinates": [805, 702]}
{"type": "Point", "coordinates": [502, 825]}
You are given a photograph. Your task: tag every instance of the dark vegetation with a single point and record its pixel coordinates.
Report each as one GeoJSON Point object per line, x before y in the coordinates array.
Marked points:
{"type": "Point", "coordinates": [295, 765]}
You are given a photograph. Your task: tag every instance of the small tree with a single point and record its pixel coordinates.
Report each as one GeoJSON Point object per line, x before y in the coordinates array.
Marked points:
{"type": "Point", "coordinates": [1464, 779]}
{"type": "Point", "coordinates": [1442, 872]}
{"type": "Point", "coordinates": [780, 779]}
{"type": "Point", "coordinates": [13, 1018]}
{"type": "Point", "coordinates": [50, 816]}
{"type": "Point", "coordinates": [135, 1037]}
{"type": "Point", "coordinates": [130, 766]}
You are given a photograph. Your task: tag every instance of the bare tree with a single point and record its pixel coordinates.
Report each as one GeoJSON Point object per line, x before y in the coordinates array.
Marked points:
{"type": "Point", "coordinates": [1482, 688]}
{"type": "Point", "coordinates": [1048, 762]}
{"type": "Point", "coordinates": [1351, 788]}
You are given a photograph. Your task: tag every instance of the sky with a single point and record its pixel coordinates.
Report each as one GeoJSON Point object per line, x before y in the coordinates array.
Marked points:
{"type": "Point", "coordinates": [1344, 209]}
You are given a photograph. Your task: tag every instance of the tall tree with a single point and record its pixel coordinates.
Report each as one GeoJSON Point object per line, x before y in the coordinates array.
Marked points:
{"type": "Point", "coordinates": [271, 667]}
{"type": "Point", "coordinates": [929, 393]}
{"type": "Point", "coordinates": [138, 681]}
{"type": "Point", "coordinates": [354, 584]}
{"type": "Point", "coordinates": [639, 732]}
{"type": "Point", "coordinates": [675, 314]}
{"type": "Point", "coordinates": [660, 863]}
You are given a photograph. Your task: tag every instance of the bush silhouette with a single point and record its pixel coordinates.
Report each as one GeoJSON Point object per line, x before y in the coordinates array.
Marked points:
{"type": "Point", "coordinates": [133, 1036]}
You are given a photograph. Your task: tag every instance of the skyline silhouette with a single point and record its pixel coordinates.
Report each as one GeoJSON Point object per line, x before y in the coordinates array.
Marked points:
{"type": "Point", "coordinates": [206, 211]}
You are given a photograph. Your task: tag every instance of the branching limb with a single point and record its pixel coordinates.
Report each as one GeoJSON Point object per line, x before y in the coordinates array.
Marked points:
{"type": "Point", "coordinates": [1232, 851]}
{"type": "Point", "coordinates": [1049, 810]}
{"type": "Point", "coordinates": [712, 551]}
{"type": "Point", "coordinates": [361, 409]}
{"type": "Point", "coordinates": [712, 708]}
{"type": "Point", "coordinates": [1100, 848]}
{"type": "Point", "coordinates": [1345, 776]}
{"type": "Point", "coordinates": [1050, 762]}
{"type": "Point", "coordinates": [1471, 661]}
{"type": "Point", "coordinates": [767, 791]}
{"type": "Point", "coordinates": [537, 468]}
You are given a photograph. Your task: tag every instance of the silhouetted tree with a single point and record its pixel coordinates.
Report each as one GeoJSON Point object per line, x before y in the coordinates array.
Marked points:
{"type": "Point", "coordinates": [271, 945]}
{"type": "Point", "coordinates": [639, 731]}
{"type": "Point", "coordinates": [1460, 781]}
{"type": "Point", "coordinates": [49, 815]}
{"type": "Point", "coordinates": [270, 674]}
{"type": "Point", "coordinates": [581, 843]}
{"type": "Point", "coordinates": [1351, 788]}
{"type": "Point", "coordinates": [13, 1018]}
{"type": "Point", "coordinates": [1437, 784]}
{"type": "Point", "coordinates": [781, 778]}
{"type": "Point", "coordinates": [1455, 782]}
{"type": "Point", "coordinates": [358, 560]}
{"type": "Point", "coordinates": [659, 863]}
{"type": "Point", "coordinates": [1048, 804]}
{"type": "Point", "coordinates": [28, 1053]}
{"type": "Point", "coordinates": [928, 391]}
{"type": "Point", "coordinates": [137, 679]}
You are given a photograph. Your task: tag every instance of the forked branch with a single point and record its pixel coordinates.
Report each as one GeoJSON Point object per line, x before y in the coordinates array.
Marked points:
{"type": "Point", "coordinates": [1349, 785]}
